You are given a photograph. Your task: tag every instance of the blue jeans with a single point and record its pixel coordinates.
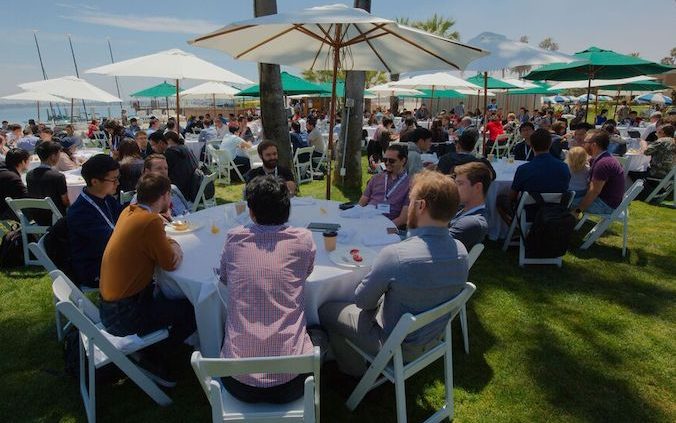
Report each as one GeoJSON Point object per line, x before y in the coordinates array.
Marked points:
{"type": "Point", "coordinates": [597, 206]}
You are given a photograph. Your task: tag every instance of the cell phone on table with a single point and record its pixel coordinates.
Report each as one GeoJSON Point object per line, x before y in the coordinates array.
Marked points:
{"type": "Point", "coordinates": [393, 231]}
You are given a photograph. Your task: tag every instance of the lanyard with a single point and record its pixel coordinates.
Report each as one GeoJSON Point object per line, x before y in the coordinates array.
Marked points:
{"type": "Point", "coordinates": [528, 151]}
{"type": "Point", "coordinates": [90, 201]}
{"type": "Point", "coordinates": [388, 193]}
{"type": "Point", "coordinates": [271, 172]}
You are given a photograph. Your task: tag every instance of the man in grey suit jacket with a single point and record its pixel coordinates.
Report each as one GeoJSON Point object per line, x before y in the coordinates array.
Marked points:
{"type": "Point", "coordinates": [469, 225]}
{"type": "Point", "coordinates": [412, 276]}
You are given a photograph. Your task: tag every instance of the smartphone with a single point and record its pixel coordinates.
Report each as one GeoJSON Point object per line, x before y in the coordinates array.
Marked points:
{"type": "Point", "coordinates": [393, 231]}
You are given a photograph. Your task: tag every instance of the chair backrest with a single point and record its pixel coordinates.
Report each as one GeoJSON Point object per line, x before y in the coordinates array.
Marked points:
{"type": "Point", "coordinates": [206, 369]}
{"type": "Point", "coordinates": [254, 158]}
{"type": "Point", "coordinates": [20, 204]}
{"type": "Point", "coordinates": [200, 198]}
{"type": "Point", "coordinates": [549, 197]}
{"type": "Point", "coordinates": [38, 250]}
{"type": "Point", "coordinates": [126, 196]}
{"type": "Point", "coordinates": [474, 254]}
{"type": "Point", "coordinates": [625, 162]}
{"type": "Point", "coordinates": [303, 150]}
{"type": "Point", "coordinates": [629, 196]}
{"type": "Point", "coordinates": [67, 293]}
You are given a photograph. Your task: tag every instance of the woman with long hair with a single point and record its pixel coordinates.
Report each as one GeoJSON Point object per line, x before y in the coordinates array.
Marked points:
{"type": "Point", "coordinates": [578, 163]}
{"type": "Point", "coordinates": [131, 164]}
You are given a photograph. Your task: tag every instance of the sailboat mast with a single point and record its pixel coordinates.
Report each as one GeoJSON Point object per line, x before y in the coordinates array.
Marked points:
{"type": "Point", "coordinates": [42, 66]}
{"type": "Point", "coordinates": [117, 83]}
{"type": "Point", "coordinates": [77, 73]}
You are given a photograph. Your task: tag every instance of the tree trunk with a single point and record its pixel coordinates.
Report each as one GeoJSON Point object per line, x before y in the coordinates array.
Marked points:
{"type": "Point", "coordinates": [348, 155]}
{"type": "Point", "coordinates": [273, 114]}
{"type": "Point", "coordinates": [394, 100]}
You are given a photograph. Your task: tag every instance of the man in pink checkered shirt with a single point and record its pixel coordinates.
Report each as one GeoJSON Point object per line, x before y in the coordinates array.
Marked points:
{"type": "Point", "coordinates": [264, 266]}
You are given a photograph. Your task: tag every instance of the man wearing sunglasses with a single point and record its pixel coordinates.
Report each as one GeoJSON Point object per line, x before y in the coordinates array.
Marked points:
{"type": "Point", "coordinates": [388, 191]}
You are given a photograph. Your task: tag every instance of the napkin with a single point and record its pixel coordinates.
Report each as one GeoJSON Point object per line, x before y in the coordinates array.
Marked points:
{"type": "Point", "coordinates": [384, 239]}
{"type": "Point", "coordinates": [302, 201]}
{"type": "Point", "coordinates": [345, 235]}
{"type": "Point", "coordinates": [359, 212]}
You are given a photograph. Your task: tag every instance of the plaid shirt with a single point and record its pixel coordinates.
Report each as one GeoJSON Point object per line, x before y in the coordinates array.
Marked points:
{"type": "Point", "coordinates": [265, 268]}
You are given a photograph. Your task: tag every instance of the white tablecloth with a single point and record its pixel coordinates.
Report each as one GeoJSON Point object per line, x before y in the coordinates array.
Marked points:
{"type": "Point", "coordinates": [202, 250]}
{"type": "Point", "coordinates": [75, 183]}
{"type": "Point", "coordinates": [638, 162]}
{"type": "Point", "coordinates": [497, 228]}
{"type": "Point", "coordinates": [624, 130]}
{"type": "Point", "coordinates": [370, 130]}
{"type": "Point", "coordinates": [194, 145]}
{"type": "Point", "coordinates": [83, 155]}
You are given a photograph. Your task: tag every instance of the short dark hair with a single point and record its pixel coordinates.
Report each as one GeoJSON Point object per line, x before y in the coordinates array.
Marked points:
{"type": "Point", "coordinates": [128, 147]}
{"type": "Point", "coordinates": [420, 134]}
{"type": "Point", "coordinates": [269, 200]}
{"type": "Point", "coordinates": [583, 126]}
{"type": "Point", "coordinates": [541, 140]}
{"type": "Point", "coordinates": [599, 137]}
{"type": "Point", "coordinates": [157, 136]}
{"type": "Point", "coordinates": [233, 128]}
{"type": "Point", "coordinates": [13, 126]}
{"type": "Point", "coordinates": [401, 149]}
{"type": "Point", "coordinates": [264, 146]}
{"type": "Point", "coordinates": [132, 120]}
{"type": "Point", "coordinates": [147, 162]}
{"type": "Point", "coordinates": [439, 192]}
{"type": "Point", "coordinates": [173, 136]}
{"type": "Point", "coordinates": [668, 129]}
{"type": "Point", "coordinates": [526, 125]}
{"type": "Point", "coordinates": [97, 167]}
{"type": "Point", "coordinates": [16, 156]}
{"type": "Point", "coordinates": [295, 126]}
{"type": "Point", "coordinates": [468, 139]}
{"type": "Point", "coordinates": [151, 186]}
{"type": "Point", "coordinates": [47, 131]}
{"type": "Point", "coordinates": [476, 172]}
{"type": "Point", "coordinates": [141, 132]}
{"type": "Point", "coordinates": [46, 149]}
{"type": "Point", "coordinates": [558, 127]}
{"type": "Point", "coordinates": [172, 124]}
{"type": "Point", "coordinates": [409, 121]}
{"type": "Point", "coordinates": [386, 120]}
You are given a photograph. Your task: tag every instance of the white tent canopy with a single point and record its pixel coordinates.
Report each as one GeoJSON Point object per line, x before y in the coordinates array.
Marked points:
{"type": "Point", "coordinates": [436, 81]}
{"type": "Point", "coordinates": [599, 82]}
{"type": "Point", "coordinates": [306, 38]}
{"type": "Point", "coordinates": [390, 90]}
{"type": "Point", "coordinates": [506, 53]}
{"type": "Point", "coordinates": [519, 83]}
{"type": "Point", "coordinates": [171, 64]}
{"type": "Point", "coordinates": [209, 89]}
{"type": "Point", "coordinates": [35, 96]}
{"type": "Point", "coordinates": [70, 87]}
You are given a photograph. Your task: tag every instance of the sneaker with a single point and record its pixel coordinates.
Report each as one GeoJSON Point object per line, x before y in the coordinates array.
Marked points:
{"type": "Point", "coordinates": [156, 371]}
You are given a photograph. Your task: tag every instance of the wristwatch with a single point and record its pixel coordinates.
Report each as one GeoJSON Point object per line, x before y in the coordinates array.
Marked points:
{"type": "Point", "coordinates": [578, 211]}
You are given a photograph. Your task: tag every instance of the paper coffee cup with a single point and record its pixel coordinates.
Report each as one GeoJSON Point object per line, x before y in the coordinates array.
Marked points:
{"type": "Point", "coordinates": [330, 238]}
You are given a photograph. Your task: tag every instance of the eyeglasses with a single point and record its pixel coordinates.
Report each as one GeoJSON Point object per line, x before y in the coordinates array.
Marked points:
{"type": "Point", "coordinates": [390, 161]}
{"type": "Point", "coordinates": [112, 179]}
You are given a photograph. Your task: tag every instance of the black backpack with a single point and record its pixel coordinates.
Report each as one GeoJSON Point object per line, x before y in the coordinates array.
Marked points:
{"type": "Point", "coordinates": [198, 175]}
{"type": "Point", "coordinates": [57, 247]}
{"type": "Point", "coordinates": [11, 248]}
{"type": "Point", "coordinates": [549, 235]}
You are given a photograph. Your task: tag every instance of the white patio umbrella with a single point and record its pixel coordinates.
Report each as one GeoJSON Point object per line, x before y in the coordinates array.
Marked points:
{"type": "Point", "coordinates": [37, 97]}
{"type": "Point", "coordinates": [70, 87]}
{"type": "Point", "coordinates": [171, 64]}
{"type": "Point", "coordinates": [391, 90]}
{"type": "Point", "coordinates": [506, 53]}
{"type": "Point", "coordinates": [565, 85]}
{"type": "Point", "coordinates": [519, 83]}
{"type": "Point", "coordinates": [337, 37]}
{"type": "Point", "coordinates": [211, 90]}
{"type": "Point", "coordinates": [437, 81]}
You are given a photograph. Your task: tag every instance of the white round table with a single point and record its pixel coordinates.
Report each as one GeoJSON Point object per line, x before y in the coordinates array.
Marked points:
{"type": "Point", "coordinates": [497, 228]}
{"type": "Point", "coordinates": [195, 278]}
{"type": "Point", "coordinates": [192, 143]}
{"type": "Point", "coordinates": [75, 183]}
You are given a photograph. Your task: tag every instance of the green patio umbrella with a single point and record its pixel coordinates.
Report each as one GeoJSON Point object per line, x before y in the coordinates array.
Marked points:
{"type": "Point", "coordinates": [160, 90]}
{"type": "Point", "coordinates": [493, 83]}
{"type": "Point", "coordinates": [541, 89]}
{"type": "Point", "coordinates": [437, 94]}
{"type": "Point", "coordinates": [596, 63]}
{"type": "Point", "coordinates": [291, 85]}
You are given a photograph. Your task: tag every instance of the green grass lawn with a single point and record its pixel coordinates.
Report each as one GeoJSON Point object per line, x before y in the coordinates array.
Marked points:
{"type": "Point", "coordinates": [593, 341]}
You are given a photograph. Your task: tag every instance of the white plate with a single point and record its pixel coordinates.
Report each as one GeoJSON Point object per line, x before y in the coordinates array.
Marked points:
{"type": "Point", "coordinates": [342, 257]}
{"type": "Point", "coordinates": [192, 227]}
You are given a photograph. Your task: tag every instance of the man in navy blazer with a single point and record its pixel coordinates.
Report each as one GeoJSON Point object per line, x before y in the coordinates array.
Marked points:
{"type": "Point", "coordinates": [470, 224]}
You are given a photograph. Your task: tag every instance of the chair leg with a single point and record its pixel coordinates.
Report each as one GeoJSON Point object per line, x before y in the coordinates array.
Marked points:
{"type": "Point", "coordinates": [463, 325]}
{"type": "Point", "coordinates": [57, 318]}
{"type": "Point", "coordinates": [625, 229]}
{"type": "Point", "coordinates": [400, 386]}
{"type": "Point", "coordinates": [581, 222]}
{"type": "Point", "coordinates": [362, 387]}
{"type": "Point", "coordinates": [448, 372]}
{"type": "Point", "coordinates": [510, 233]}
{"type": "Point", "coordinates": [595, 233]}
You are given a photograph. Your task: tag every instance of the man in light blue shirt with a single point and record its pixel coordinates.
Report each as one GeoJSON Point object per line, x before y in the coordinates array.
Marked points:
{"type": "Point", "coordinates": [28, 141]}
{"type": "Point", "coordinates": [416, 275]}
{"type": "Point", "coordinates": [237, 148]}
{"type": "Point", "coordinates": [208, 133]}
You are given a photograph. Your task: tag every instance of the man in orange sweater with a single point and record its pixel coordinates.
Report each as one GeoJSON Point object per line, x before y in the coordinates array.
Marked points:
{"type": "Point", "coordinates": [129, 303]}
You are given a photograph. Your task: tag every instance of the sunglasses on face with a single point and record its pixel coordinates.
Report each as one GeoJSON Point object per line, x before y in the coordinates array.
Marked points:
{"type": "Point", "coordinates": [390, 161]}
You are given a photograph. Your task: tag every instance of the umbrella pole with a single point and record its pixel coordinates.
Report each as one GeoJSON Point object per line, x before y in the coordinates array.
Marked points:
{"type": "Point", "coordinates": [586, 110]}
{"type": "Point", "coordinates": [213, 98]}
{"type": "Point", "coordinates": [332, 116]}
{"type": "Point", "coordinates": [38, 104]}
{"type": "Point", "coordinates": [596, 104]}
{"type": "Point", "coordinates": [71, 110]}
{"type": "Point", "coordinates": [485, 109]}
{"type": "Point", "coordinates": [617, 100]}
{"type": "Point", "coordinates": [178, 112]}
{"type": "Point", "coordinates": [432, 101]}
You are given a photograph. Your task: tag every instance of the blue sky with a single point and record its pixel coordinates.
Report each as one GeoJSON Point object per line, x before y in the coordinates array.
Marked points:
{"type": "Point", "coordinates": [137, 27]}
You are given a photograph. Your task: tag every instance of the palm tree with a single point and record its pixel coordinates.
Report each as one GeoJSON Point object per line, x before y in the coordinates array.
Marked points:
{"type": "Point", "coordinates": [549, 44]}
{"type": "Point", "coordinates": [273, 113]}
{"type": "Point", "coordinates": [671, 59]}
{"type": "Point", "coordinates": [372, 77]}
{"type": "Point", "coordinates": [437, 25]}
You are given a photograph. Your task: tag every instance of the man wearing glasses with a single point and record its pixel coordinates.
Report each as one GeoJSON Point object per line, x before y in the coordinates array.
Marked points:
{"type": "Point", "coordinates": [388, 191]}
{"type": "Point", "coordinates": [92, 217]}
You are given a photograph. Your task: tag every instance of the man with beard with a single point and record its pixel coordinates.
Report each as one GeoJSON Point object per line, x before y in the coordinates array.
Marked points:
{"type": "Point", "coordinates": [267, 151]}
{"type": "Point", "coordinates": [395, 286]}
{"type": "Point", "coordinates": [388, 191]}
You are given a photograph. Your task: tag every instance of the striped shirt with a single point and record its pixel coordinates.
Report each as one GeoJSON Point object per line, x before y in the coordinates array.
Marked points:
{"type": "Point", "coordinates": [265, 268]}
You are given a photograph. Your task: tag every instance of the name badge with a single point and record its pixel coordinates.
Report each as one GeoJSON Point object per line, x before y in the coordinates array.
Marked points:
{"type": "Point", "coordinates": [383, 207]}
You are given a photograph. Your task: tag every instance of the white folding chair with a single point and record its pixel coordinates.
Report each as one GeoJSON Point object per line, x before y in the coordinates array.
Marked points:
{"type": "Point", "coordinates": [29, 227]}
{"type": "Point", "coordinates": [98, 350]}
{"type": "Point", "coordinates": [472, 257]}
{"type": "Point", "coordinates": [666, 186]}
{"type": "Point", "coordinates": [621, 213]}
{"type": "Point", "coordinates": [389, 361]}
{"type": "Point", "coordinates": [38, 250]}
{"type": "Point", "coordinates": [520, 219]}
{"type": "Point", "coordinates": [200, 198]}
{"type": "Point", "coordinates": [625, 162]}
{"type": "Point", "coordinates": [503, 147]}
{"type": "Point", "coordinates": [226, 408]}
{"type": "Point", "coordinates": [254, 159]}
{"type": "Point", "coordinates": [224, 163]}
{"type": "Point", "coordinates": [303, 168]}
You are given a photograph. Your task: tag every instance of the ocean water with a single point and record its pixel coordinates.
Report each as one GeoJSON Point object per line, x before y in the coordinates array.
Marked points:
{"type": "Point", "coordinates": [14, 113]}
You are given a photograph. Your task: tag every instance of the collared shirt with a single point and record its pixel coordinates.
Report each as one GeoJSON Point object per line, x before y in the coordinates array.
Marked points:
{"type": "Point", "coordinates": [396, 274]}
{"type": "Point", "coordinates": [231, 143]}
{"type": "Point", "coordinates": [316, 140]}
{"type": "Point", "coordinates": [470, 226]}
{"type": "Point", "coordinates": [207, 134]}
{"type": "Point", "coordinates": [265, 268]}
{"type": "Point", "coordinates": [606, 168]}
{"type": "Point", "coordinates": [397, 197]}
{"type": "Point", "coordinates": [544, 173]}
